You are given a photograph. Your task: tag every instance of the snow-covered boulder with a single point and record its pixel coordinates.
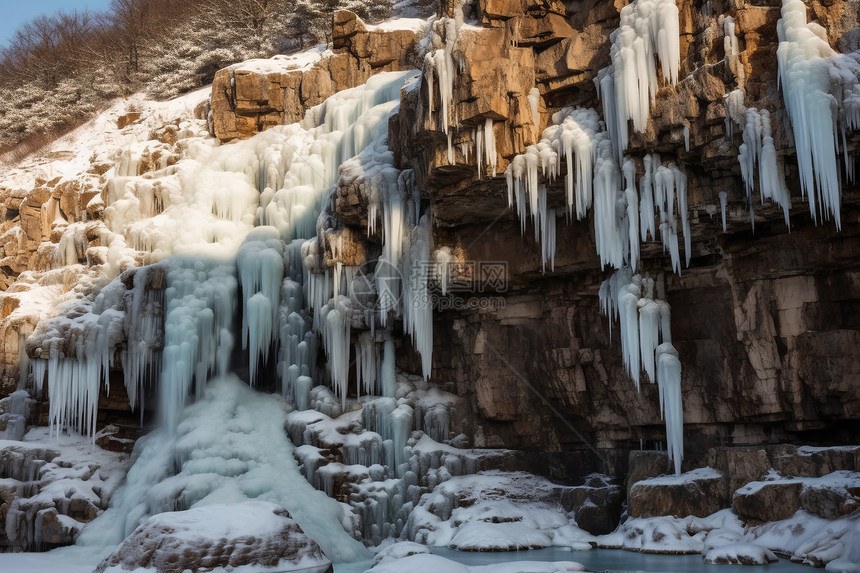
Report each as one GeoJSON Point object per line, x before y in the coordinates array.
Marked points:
{"type": "Point", "coordinates": [700, 492]}
{"type": "Point", "coordinates": [768, 500]}
{"type": "Point", "coordinates": [740, 554]}
{"type": "Point", "coordinates": [832, 498]}
{"type": "Point", "coordinates": [254, 534]}
{"type": "Point", "coordinates": [428, 563]}
{"type": "Point", "coordinates": [496, 511]}
{"type": "Point", "coordinates": [399, 550]}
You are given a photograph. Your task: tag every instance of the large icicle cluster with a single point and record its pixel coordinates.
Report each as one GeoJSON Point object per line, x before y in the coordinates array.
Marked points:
{"type": "Point", "coordinates": [649, 31]}
{"type": "Point", "coordinates": [644, 321]}
{"type": "Point", "coordinates": [758, 149]}
{"type": "Point", "coordinates": [664, 188]}
{"type": "Point", "coordinates": [594, 180]}
{"type": "Point", "coordinates": [821, 91]}
{"type": "Point", "coordinates": [197, 218]}
{"type": "Point", "coordinates": [442, 64]}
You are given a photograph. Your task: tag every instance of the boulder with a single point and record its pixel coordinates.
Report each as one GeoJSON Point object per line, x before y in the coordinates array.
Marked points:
{"type": "Point", "coordinates": [700, 492]}
{"type": "Point", "coordinates": [252, 96]}
{"type": "Point", "coordinates": [596, 505]}
{"type": "Point", "coordinates": [830, 500]}
{"type": "Point", "coordinates": [253, 534]}
{"type": "Point", "coordinates": [768, 501]}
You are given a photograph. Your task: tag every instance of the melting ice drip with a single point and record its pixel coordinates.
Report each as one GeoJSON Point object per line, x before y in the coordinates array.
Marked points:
{"type": "Point", "coordinates": [644, 321]}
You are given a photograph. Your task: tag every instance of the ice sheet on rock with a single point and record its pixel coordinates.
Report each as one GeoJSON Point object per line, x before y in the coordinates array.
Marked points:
{"type": "Point", "coordinates": [245, 537]}
{"type": "Point", "coordinates": [229, 447]}
{"type": "Point", "coordinates": [688, 535]}
{"type": "Point", "coordinates": [494, 510]}
{"type": "Point", "coordinates": [55, 474]}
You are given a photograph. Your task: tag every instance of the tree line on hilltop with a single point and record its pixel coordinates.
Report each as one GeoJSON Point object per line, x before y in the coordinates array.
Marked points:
{"type": "Point", "coordinates": [59, 70]}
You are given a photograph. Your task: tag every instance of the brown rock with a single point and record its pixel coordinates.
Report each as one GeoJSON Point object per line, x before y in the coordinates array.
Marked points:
{"type": "Point", "coordinates": [51, 530]}
{"type": "Point", "coordinates": [700, 493]}
{"type": "Point", "coordinates": [739, 465]}
{"type": "Point", "coordinates": [247, 99]}
{"type": "Point", "coordinates": [767, 501]}
{"type": "Point", "coordinates": [596, 505]}
{"type": "Point", "coordinates": [829, 502]}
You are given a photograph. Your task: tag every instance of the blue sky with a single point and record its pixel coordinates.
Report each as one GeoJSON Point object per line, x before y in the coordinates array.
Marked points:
{"type": "Point", "coordinates": [13, 13]}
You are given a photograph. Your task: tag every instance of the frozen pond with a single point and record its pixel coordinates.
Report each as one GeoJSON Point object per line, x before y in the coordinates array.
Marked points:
{"type": "Point", "coordinates": [609, 560]}
{"type": "Point", "coordinates": [84, 560]}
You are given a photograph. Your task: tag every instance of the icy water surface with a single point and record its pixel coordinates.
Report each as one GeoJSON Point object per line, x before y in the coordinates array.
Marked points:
{"type": "Point", "coordinates": [83, 560]}
{"type": "Point", "coordinates": [608, 560]}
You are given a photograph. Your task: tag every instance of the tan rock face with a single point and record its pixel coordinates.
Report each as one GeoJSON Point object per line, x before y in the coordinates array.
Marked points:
{"type": "Point", "coordinates": [763, 321]}
{"type": "Point", "coordinates": [248, 98]}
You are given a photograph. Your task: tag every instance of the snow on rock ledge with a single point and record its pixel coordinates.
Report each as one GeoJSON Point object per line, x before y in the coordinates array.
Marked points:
{"type": "Point", "coordinates": [496, 511]}
{"type": "Point", "coordinates": [740, 554]}
{"type": "Point", "coordinates": [700, 492]}
{"type": "Point", "coordinates": [247, 536]}
{"type": "Point", "coordinates": [252, 96]}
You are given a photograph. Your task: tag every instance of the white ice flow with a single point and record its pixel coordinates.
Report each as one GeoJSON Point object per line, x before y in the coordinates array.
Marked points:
{"type": "Point", "coordinates": [195, 221]}
{"type": "Point", "coordinates": [229, 447]}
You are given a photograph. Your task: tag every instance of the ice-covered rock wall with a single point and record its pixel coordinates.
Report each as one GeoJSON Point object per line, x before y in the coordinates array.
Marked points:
{"type": "Point", "coordinates": [481, 222]}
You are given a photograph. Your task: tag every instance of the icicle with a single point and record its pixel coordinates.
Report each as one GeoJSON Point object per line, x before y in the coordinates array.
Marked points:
{"type": "Point", "coordinates": [669, 382]}
{"type": "Point", "coordinates": [643, 321]}
{"type": "Point", "coordinates": [647, 28]}
{"type": "Point", "coordinates": [814, 79]}
{"type": "Point", "coordinates": [632, 200]}
{"type": "Point", "coordinates": [723, 200]}
{"type": "Point", "coordinates": [646, 204]}
{"type": "Point", "coordinates": [490, 145]}
{"type": "Point", "coordinates": [534, 102]}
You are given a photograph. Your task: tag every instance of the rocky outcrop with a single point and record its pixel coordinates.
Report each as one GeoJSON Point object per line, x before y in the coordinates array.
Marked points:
{"type": "Point", "coordinates": [699, 492]}
{"type": "Point", "coordinates": [48, 495]}
{"type": "Point", "coordinates": [747, 480]}
{"type": "Point", "coordinates": [252, 96]}
{"type": "Point", "coordinates": [596, 505]}
{"type": "Point", "coordinates": [763, 321]}
{"type": "Point", "coordinates": [251, 534]}
{"type": "Point", "coordinates": [767, 501]}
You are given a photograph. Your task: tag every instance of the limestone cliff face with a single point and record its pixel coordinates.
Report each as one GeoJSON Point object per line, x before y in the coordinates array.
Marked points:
{"type": "Point", "coordinates": [765, 321]}
{"type": "Point", "coordinates": [251, 96]}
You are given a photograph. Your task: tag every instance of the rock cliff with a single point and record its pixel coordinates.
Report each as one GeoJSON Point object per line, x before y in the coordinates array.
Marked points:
{"type": "Point", "coordinates": [764, 317]}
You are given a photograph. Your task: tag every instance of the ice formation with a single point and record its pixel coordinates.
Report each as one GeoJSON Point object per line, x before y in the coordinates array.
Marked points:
{"type": "Point", "coordinates": [439, 63]}
{"type": "Point", "coordinates": [821, 95]}
{"type": "Point", "coordinates": [757, 149]}
{"type": "Point", "coordinates": [197, 467]}
{"type": "Point", "coordinates": [196, 222]}
{"type": "Point", "coordinates": [644, 320]}
{"type": "Point", "coordinates": [649, 30]}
